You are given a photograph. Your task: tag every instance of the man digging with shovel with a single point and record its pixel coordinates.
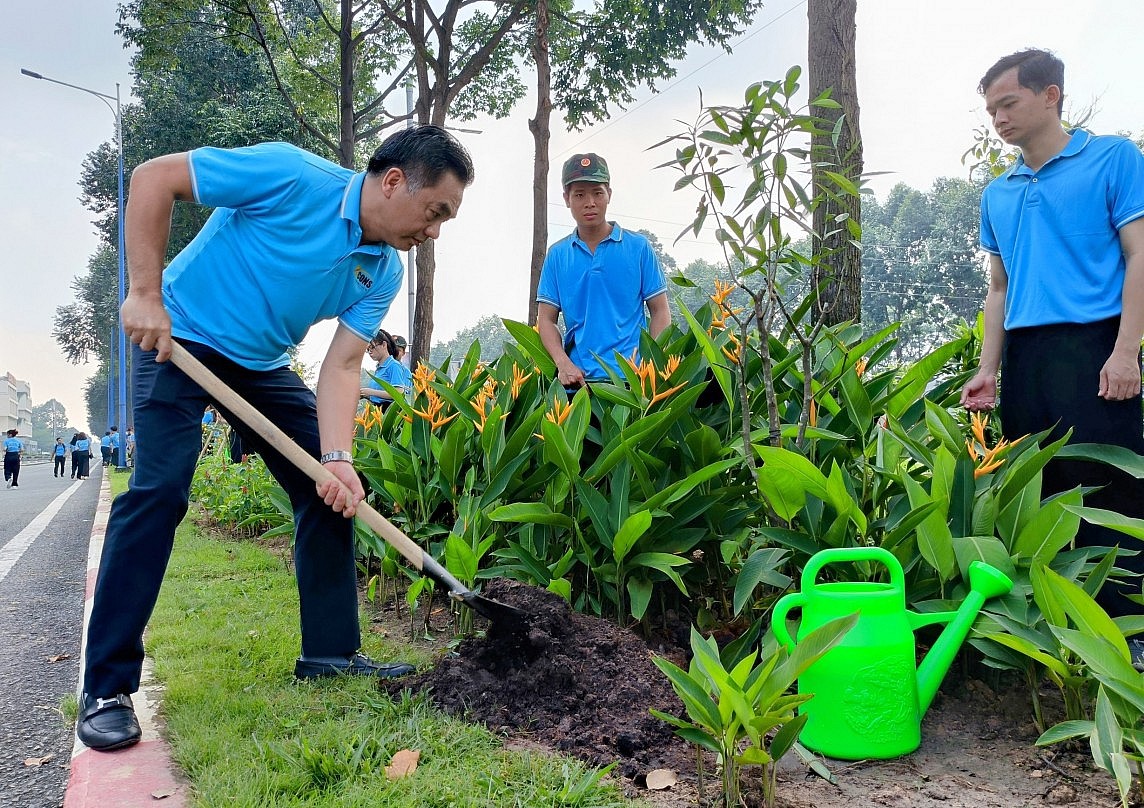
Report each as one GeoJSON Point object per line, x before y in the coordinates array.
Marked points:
{"type": "Point", "coordinates": [293, 240]}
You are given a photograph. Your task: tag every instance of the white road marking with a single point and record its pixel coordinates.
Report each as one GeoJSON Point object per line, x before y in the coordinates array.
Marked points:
{"type": "Point", "coordinates": [15, 549]}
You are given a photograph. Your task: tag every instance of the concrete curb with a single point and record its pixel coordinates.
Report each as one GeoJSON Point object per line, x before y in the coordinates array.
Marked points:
{"type": "Point", "coordinates": [139, 775]}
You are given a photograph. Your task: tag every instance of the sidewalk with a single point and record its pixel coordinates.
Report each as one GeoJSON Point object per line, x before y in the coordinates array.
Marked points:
{"type": "Point", "coordinates": [143, 774]}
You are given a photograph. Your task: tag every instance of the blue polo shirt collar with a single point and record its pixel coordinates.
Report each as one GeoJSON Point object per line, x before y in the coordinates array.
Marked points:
{"type": "Point", "coordinates": [617, 234]}
{"type": "Point", "coordinates": [351, 202]}
{"type": "Point", "coordinates": [1078, 139]}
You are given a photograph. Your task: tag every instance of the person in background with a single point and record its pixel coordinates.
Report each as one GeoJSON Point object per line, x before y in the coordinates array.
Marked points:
{"type": "Point", "coordinates": [116, 447]}
{"type": "Point", "coordinates": [59, 453]}
{"type": "Point", "coordinates": [105, 447]}
{"type": "Point", "coordinates": [1064, 313]}
{"type": "Point", "coordinates": [74, 454]}
{"type": "Point", "coordinates": [382, 350]}
{"type": "Point", "coordinates": [238, 298]}
{"type": "Point", "coordinates": [129, 439]}
{"type": "Point", "coordinates": [12, 448]}
{"type": "Point", "coordinates": [402, 352]}
{"type": "Point", "coordinates": [600, 277]}
{"type": "Point", "coordinates": [81, 456]}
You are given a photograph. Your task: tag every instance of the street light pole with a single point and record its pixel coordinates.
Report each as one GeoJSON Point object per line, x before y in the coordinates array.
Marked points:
{"type": "Point", "coordinates": [121, 366]}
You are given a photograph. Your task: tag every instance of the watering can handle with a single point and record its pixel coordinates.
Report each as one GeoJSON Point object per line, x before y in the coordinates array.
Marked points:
{"type": "Point", "coordinates": [838, 555]}
{"type": "Point", "coordinates": [794, 600]}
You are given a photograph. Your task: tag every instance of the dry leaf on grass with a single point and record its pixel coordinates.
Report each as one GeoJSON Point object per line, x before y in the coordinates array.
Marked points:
{"type": "Point", "coordinates": [659, 779]}
{"type": "Point", "coordinates": [404, 763]}
{"type": "Point", "coordinates": [40, 761]}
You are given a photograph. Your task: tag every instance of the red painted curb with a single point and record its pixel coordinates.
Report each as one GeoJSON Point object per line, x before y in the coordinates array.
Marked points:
{"type": "Point", "coordinates": [143, 774]}
{"type": "Point", "coordinates": [129, 778]}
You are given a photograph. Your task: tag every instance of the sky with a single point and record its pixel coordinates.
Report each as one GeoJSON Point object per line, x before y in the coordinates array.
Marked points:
{"type": "Point", "coordinates": [918, 64]}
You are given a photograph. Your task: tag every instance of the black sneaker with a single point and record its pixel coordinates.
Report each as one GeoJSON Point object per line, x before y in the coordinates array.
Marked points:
{"type": "Point", "coordinates": [355, 665]}
{"type": "Point", "coordinates": [107, 724]}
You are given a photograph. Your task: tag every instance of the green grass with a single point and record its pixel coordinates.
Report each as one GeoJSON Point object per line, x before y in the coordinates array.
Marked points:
{"type": "Point", "coordinates": [224, 638]}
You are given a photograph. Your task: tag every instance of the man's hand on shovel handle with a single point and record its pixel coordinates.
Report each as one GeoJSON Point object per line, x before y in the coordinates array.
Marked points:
{"type": "Point", "coordinates": [344, 494]}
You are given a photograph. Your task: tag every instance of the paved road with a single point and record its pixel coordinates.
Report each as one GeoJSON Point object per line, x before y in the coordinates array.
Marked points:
{"type": "Point", "coordinates": [45, 526]}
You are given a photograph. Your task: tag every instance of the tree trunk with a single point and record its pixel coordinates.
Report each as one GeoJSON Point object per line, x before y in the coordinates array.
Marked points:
{"type": "Point", "coordinates": [541, 135]}
{"type": "Point", "coordinates": [346, 55]}
{"type": "Point", "coordinates": [831, 65]}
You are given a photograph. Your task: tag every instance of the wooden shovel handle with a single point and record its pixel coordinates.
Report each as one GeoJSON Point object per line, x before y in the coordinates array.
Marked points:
{"type": "Point", "coordinates": [280, 441]}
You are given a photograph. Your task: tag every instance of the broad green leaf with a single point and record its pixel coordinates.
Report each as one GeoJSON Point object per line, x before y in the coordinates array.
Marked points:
{"type": "Point", "coordinates": [1049, 530]}
{"type": "Point", "coordinates": [629, 533]}
{"type": "Point", "coordinates": [982, 548]}
{"type": "Point", "coordinates": [1065, 731]}
{"type": "Point", "coordinates": [460, 558]}
{"type": "Point", "coordinates": [1026, 648]}
{"type": "Point", "coordinates": [1088, 617]}
{"type": "Point", "coordinates": [935, 542]}
{"type": "Point", "coordinates": [529, 339]}
{"type": "Point", "coordinates": [639, 596]}
{"type": "Point", "coordinates": [1123, 459]}
{"type": "Point", "coordinates": [761, 566]}
{"type": "Point", "coordinates": [1110, 519]}
{"type": "Point", "coordinates": [533, 512]}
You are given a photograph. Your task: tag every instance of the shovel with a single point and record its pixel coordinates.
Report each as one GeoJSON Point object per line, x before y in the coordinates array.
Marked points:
{"type": "Point", "coordinates": [506, 618]}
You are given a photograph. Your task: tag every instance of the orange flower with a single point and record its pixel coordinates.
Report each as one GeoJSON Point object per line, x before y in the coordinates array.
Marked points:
{"type": "Point", "coordinates": [989, 458]}
{"type": "Point", "coordinates": [813, 419]}
{"type": "Point", "coordinates": [432, 411]}
{"type": "Point", "coordinates": [860, 366]}
{"type": "Point", "coordinates": [519, 377]}
{"type": "Point", "coordinates": [421, 378]}
{"type": "Point", "coordinates": [477, 371]}
{"type": "Point", "coordinates": [723, 290]}
{"type": "Point", "coordinates": [486, 394]}
{"type": "Point", "coordinates": [559, 412]}
{"type": "Point", "coordinates": [736, 354]}
{"type": "Point", "coordinates": [672, 366]}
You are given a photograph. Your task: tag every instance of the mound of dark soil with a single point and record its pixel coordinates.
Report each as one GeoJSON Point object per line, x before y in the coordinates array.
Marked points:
{"type": "Point", "coordinates": [574, 683]}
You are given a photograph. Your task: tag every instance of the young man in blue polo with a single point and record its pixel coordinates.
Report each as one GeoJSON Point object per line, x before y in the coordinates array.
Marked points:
{"type": "Point", "coordinates": [601, 277]}
{"type": "Point", "coordinates": [293, 240]}
{"type": "Point", "coordinates": [1064, 314]}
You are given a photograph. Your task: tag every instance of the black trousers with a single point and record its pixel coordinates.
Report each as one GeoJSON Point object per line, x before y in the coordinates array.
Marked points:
{"type": "Point", "coordinates": [12, 467]}
{"type": "Point", "coordinates": [1050, 378]}
{"type": "Point", "coordinates": [58, 468]}
{"type": "Point", "coordinates": [140, 531]}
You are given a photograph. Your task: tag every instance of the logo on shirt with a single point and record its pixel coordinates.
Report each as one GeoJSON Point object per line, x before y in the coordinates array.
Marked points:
{"type": "Point", "coordinates": [362, 278]}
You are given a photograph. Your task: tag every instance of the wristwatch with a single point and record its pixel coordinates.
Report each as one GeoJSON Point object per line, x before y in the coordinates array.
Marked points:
{"type": "Point", "coordinates": [339, 455]}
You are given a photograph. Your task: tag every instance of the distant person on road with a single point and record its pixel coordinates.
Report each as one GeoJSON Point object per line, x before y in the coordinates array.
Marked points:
{"type": "Point", "coordinates": [116, 447]}
{"type": "Point", "coordinates": [59, 453]}
{"type": "Point", "coordinates": [105, 447]}
{"type": "Point", "coordinates": [1064, 314]}
{"type": "Point", "coordinates": [601, 277]}
{"type": "Point", "coordinates": [74, 454]}
{"type": "Point", "coordinates": [293, 240]}
{"type": "Point", "coordinates": [129, 439]}
{"type": "Point", "coordinates": [12, 448]}
{"type": "Point", "coordinates": [382, 350]}
{"type": "Point", "coordinates": [81, 456]}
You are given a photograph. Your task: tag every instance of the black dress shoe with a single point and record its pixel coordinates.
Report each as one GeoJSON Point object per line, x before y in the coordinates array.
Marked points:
{"type": "Point", "coordinates": [356, 665]}
{"type": "Point", "coordinates": [107, 724]}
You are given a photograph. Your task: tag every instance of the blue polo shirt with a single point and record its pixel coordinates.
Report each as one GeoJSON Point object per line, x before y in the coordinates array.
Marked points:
{"type": "Point", "coordinates": [394, 373]}
{"type": "Point", "coordinates": [602, 295]}
{"type": "Point", "coordinates": [1057, 230]}
{"type": "Point", "coordinates": [281, 252]}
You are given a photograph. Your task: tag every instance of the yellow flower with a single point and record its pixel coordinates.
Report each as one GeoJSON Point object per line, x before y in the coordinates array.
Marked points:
{"type": "Point", "coordinates": [860, 366]}
{"type": "Point", "coordinates": [989, 458]}
{"type": "Point", "coordinates": [813, 419]}
{"type": "Point", "coordinates": [559, 412]}
{"type": "Point", "coordinates": [736, 354]}
{"type": "Point", "coordinates": [421, 378]}
{"type": "Point", "coordinates": [519, 377]}
{"type": "Point", "coordinates": [432, 411]}
{"type": "Point", "coordinates": [672, 366]}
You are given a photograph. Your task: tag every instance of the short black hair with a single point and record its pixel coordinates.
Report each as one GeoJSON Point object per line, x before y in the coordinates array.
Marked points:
{"type": "Point", "coordinates": [423, 153]}
{"type": "Point", "coordinates": [1036, 70]}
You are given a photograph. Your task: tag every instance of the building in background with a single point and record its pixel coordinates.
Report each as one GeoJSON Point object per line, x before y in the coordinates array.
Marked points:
{"type": "Point", "coordinates": [15, 406]}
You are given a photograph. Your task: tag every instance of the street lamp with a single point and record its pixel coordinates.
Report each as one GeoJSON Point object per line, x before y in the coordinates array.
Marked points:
{"type": "Point", "coordinates": [122, 359]}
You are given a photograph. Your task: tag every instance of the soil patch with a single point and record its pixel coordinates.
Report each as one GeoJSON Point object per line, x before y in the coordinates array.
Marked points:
{"type": "Point", "coordinates": [582, 686]}
{"type": "Point", "coordinates": [574, 683]}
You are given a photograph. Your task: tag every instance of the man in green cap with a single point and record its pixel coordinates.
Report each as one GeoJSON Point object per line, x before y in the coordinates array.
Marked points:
{"type": "Point", "coordinates": [601, 277]}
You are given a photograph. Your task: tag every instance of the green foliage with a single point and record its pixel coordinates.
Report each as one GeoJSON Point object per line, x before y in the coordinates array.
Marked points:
{"type": "Point", "coordinates": [1097, 642]}
{"type": "Point", "coordinates": [734, 704]}
{"type": "Point", "coordinates": [242, 497]}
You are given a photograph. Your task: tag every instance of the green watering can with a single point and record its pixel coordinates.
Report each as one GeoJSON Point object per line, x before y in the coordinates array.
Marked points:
{"type": "Point", "coordinates": [868, 698]}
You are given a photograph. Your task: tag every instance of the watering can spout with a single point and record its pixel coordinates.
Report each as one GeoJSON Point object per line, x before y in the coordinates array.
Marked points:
{"type": "Point", "coordinates": [985, 582]}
